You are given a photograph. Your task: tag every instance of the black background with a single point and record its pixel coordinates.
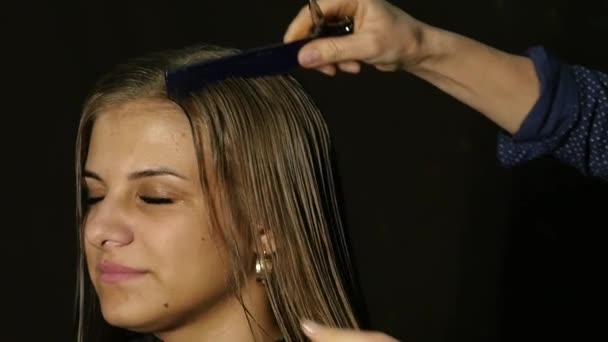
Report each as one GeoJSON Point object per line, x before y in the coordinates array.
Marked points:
{"type": "Point", "coordinates": [449, 245]}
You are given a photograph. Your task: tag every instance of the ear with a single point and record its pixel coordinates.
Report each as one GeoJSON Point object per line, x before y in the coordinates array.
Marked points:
{"type": "Point", "coordinates": [266, 240]}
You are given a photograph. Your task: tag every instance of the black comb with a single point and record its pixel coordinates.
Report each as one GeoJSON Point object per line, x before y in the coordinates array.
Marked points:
{"type": "Point", "coordinates": [258, 62]}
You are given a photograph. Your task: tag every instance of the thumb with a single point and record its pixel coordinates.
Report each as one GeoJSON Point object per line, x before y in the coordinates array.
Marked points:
{"type": "Point", "coordinates": [324, 51]}
{"type": "Point", "coordinates": [320, 333]}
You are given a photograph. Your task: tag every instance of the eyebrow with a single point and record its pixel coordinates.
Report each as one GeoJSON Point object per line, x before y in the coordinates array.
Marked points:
{"type": "Point", "coordinates": [162, 171]}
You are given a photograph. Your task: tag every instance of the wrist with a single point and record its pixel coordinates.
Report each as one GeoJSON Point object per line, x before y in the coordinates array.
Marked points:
{"type": "Point", "coordinates": [430, 48]}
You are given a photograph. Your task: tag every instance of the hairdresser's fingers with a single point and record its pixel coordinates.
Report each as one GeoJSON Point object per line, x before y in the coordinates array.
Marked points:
{"type": "Point", "coordinates": [323, 51]}
{"type": "Point", "coordinates": [329, 70]}
{"type": "Point", "coordinates": [300, 27]}
{"type": "Point", "coordinates": [384, 36]}
{"type": "Point", "coordinates": [319, 333]}
{"type": "Point", "coordinates": [387, 66]}
{"type": "Point", "coordinates": [350, 67]}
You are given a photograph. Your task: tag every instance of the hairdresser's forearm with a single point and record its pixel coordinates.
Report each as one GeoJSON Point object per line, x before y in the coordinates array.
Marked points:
{"type": "Point", "coordinates": [502, 86]}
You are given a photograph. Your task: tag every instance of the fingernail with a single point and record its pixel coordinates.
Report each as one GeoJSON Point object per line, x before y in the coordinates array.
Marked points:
{"type": "Point", "coordinates": [309, 327]}
{"type": "Point", "coordinates": [309, 58]}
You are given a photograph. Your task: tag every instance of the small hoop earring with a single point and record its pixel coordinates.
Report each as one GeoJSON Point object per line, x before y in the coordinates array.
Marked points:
{"type": "Point", "coordinates": [263, 266]}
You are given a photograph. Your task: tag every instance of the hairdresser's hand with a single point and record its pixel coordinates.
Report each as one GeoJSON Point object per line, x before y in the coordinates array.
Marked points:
{"type": "Point", "coordinates": [384, 36]}
{"type": "Point", "coordinates": [319, 333]}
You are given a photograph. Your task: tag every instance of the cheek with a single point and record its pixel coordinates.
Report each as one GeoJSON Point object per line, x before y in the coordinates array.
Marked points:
{"type": "Point", "coordinates": [91, 255]}
{"type": "Point", "coordinates": [189, 259]}
{"type": "Point", "coordinates": [92, 258]}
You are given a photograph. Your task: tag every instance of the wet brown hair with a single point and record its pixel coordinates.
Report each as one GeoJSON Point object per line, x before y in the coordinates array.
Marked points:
{"type": "Point", "coordinates": [269, 148]}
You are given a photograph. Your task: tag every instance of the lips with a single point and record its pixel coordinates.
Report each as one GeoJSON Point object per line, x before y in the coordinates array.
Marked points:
{"type": "Point", "coordinates": [110, 272]}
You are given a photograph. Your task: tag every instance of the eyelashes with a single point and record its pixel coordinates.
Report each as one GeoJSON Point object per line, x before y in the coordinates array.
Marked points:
{"type": "Point", "coordinates": [89, 200]}
{"type": "Point", "coordinates": [92, 200]}
{"type": "Point", "coordinates": [156, 200]}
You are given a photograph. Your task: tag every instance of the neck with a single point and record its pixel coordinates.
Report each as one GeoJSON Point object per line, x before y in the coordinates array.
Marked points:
{"type": "Point", "coordinates": [229, 320]}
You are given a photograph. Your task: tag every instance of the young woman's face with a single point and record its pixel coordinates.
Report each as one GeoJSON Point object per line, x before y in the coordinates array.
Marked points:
{"type": "Point", "coordinates": [147, 238]}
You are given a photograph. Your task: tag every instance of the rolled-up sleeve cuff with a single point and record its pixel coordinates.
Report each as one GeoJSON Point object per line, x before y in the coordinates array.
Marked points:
{"type": "Point", "coordinates": [551, 116]}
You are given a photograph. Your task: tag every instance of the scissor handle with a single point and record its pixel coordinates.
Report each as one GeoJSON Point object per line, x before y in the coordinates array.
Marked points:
{"type": "Point", "coordinates": [340, 27]}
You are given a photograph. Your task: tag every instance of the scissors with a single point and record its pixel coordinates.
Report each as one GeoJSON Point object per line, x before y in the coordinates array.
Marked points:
{"type": "Point", "coordinates": [323, 27]}
{"type": "Point", "coordinates": [263, 61]}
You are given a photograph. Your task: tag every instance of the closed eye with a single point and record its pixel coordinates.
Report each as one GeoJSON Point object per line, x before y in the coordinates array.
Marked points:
{"type": "Point", "coordinates": [156, 200]}
{"type": "Point", "coordinates": [93, 200]}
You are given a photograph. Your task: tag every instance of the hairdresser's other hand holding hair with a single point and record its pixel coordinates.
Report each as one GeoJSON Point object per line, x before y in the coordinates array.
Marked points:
{"type": "Point", "coordinates": [384, 36]}
{"type": "Point", "coordinates": [319, 333]}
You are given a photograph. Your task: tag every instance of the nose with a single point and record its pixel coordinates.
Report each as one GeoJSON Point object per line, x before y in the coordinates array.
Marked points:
{"type": "Point", "coordinates": [108, 224]}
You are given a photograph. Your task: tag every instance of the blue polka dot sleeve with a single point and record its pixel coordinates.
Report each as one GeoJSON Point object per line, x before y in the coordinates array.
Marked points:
{"type": "Point", "coordinates": [568, 122]}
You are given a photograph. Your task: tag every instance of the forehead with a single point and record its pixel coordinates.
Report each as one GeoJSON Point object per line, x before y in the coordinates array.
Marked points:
{"type": "Point", "coordinates": [141, 133]}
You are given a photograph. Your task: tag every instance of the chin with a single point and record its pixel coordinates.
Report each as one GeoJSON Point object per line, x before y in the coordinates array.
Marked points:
{"type": "Point", "coordinates": [130, 316]}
